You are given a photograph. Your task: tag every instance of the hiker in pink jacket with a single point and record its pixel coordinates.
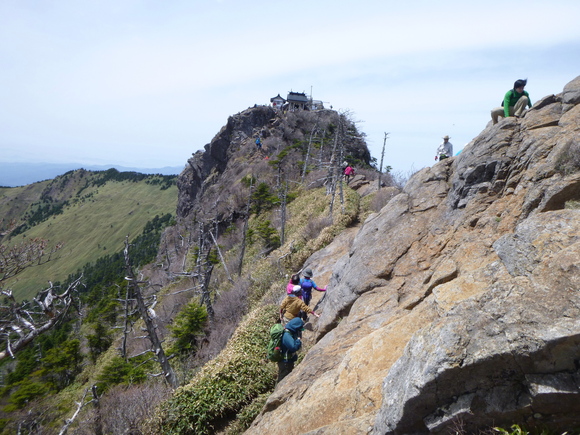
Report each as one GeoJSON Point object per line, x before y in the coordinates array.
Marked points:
{"type": "Point", "coordinates": [348, 172]}
{"type": "Point", "coordinates": [294, 280]}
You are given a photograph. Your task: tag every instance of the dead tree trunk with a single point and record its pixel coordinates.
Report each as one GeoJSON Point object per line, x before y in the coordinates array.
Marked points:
{"type": "Point", "coordinates": [307, 156]}
{"type": "Point", "coordinates": [157, 349]}
{"type": "Point", "coordinates": [69, 421]}
{"type": "Point", "coordinates": [245, 229]}
{"type": "Point", "coordinates": [127, 325]}
{"type": "Point", "coordinates": [223, 261]}
{"type": "Point", "coordinates": [97, 404]}
{"type": "Point", "coordinates": [283, 200]}
{"type": "Point", "coordinates": [382, 157]}
{"type": "Point", "coordinates": [21, 323]}
{"type": "Point", "coordinates": [204, 268]}
{"type": "Point", "coordinates": [333, 175]}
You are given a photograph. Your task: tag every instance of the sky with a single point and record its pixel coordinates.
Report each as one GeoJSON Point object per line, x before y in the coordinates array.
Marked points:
{"type": "Point", "coordinates": [145, 83]}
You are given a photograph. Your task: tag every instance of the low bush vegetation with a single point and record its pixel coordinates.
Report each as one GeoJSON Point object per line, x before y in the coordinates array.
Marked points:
{"type": "Point", "coordinates": [237, 376]}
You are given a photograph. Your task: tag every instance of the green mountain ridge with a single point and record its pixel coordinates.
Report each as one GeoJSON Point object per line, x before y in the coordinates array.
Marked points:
{"type": "Point", "coordinates": [89, 213]}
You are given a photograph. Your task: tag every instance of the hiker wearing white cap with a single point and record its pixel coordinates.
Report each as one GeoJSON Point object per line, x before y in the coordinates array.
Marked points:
{"type": "Point", "coordinates": [292, 305]}
{"type": "Point", "coordinates": [445, 150]}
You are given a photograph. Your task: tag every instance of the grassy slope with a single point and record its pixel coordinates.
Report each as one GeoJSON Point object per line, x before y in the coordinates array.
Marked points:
{"type": "Point", "coordinates": [94, 228]}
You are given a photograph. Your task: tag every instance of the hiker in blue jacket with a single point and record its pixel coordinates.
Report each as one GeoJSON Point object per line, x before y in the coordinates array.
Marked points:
{"type": "Point", "coordinates": [291, 343]}
{"type": "Point", "coordinates": [307, 285]}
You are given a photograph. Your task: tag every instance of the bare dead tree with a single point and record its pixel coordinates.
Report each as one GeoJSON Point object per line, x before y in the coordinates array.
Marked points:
{"type": "Point", "coordinates": [283, 195]}
{"type": "Point", "coordinates": [127, 324]}
{"type": "Point", "coordinates": [80, 405]}
{"type": "Point", "coordinates": [333, 174]}
{"type": "Point", "coordinates": [204, 267]}
{"type": "Point", "coordinates": [221, 258]}
{"type": "Point", "coordinates": [97, 404]}
{"type": "Point", "coordinates": [307, 156]}
{"type": "Point", "coordinates": [245, 229]}
{"type": "Point", "coordinates": [20, 323]}
{"type": "Point", "coordinates": [150, 326]}
{"type": "Point", "coordinates": [382, 157]}
{"type": "Point", "coordinates": [14, 259]}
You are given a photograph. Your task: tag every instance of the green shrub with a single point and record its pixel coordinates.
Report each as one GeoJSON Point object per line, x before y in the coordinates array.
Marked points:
{"type": "Point", "coordinates": [263, 199]}
{"type": "Point", "coordinates": [99, 341]}
{"type": "Point", "coordinates": [247, 415]}
{"type": "Point", "coordinates": [225, 385]}
{"type": "Point", "coordinates": [268, 234]}
{"type": "Point", "coordinates": [188, 326]}
{"type": "Point", "coordinates": [61, 364]}
{"type": "Point", "coordinates": [26, 392]}
{"type": "Point", "coordinates": [119, 371]}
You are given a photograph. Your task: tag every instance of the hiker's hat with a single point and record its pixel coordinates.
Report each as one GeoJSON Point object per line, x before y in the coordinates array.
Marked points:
{"type": "Point", "coordinates": [446, 137]}
{"type": "Point", "coordinates": [296, 290]}
{"type": "Point", "coordinates": [308, 273]}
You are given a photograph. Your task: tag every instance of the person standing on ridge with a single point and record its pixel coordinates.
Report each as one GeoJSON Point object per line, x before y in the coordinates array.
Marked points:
{"type": "Point", "coordinates": [307, 284]}
{"type": "Point", "coordinates": [445, 150]}
{"type": "Point", "coordinates": [292, 305]}
{"type": "Point", "coordinates": [291, 343]}
{"type": "Point", "coordinates": [514, 102]}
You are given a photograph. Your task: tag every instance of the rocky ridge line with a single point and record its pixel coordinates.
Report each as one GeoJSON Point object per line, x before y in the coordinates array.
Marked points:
{"type": "Point", "coordinates": [458, 303]}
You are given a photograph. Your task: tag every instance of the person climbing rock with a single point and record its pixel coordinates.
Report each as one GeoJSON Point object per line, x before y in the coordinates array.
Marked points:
{"type": "Point", "coordinates": [291, 343]}
{"type": "Point", "coordinates": [294, 280]}
{"type": "Point", "coordinates": [259, 143]}
{"type": "Point", "coordinates": [307, 285]}
{"type": "Point", "coordinates": [514, 102]}
{"type": "Point", "coordinates": [445, 150]}
{"type": "Point", "coordinates": [348, 172]}
{"type": "Point", "coordinates": [292, 305]}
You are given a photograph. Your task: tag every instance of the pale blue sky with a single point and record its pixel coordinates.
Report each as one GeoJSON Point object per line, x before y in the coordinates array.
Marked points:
{"type": "Point", "coordinates": [147, 83]}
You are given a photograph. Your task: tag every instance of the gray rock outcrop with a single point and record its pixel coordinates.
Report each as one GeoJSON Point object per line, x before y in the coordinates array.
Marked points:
{"type": "Point", "coordinates": [204, 167]}
{"type": "Point", "coordinates": [459, 303]}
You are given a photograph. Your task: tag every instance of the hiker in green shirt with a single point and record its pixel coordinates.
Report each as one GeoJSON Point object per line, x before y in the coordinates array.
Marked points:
{"type": "Point", "coordinates": [514, 102]}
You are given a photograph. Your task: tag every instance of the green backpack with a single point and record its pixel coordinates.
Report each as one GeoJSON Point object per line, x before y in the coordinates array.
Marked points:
{"type": "Point", "coordinates": [275, 343]}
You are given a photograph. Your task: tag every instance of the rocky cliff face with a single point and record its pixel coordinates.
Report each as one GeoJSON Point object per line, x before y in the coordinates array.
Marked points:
{"type": "Point", "coordinates": [458, 305]}
{"type": "Point", "coordinates": [211, 175]}
{"type": "Point", "coordinates": [204, 166]}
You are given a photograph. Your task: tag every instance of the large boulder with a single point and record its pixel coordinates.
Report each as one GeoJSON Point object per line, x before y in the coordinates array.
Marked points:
{"type": "Point", "coordinates": [458, 303]}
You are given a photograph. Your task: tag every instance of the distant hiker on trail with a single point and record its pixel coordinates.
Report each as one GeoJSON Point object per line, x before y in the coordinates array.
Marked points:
{"type": "Point", "coordinates": [514, 102]}
{"type": "Point", "coordinates": [445, 150]}
{"type": "Point", "coordinates": [259, 143]}
{"type": "Point", "coordinates": [348, 172]}
{"type": "Point", "coordinates": [307, 284]}
{"type": "Point", "coordinates": [292, 305]}
{"type": "Point", "coordinates": [291, 343]}
{"type": "Point", "coordinates": [294, 281]}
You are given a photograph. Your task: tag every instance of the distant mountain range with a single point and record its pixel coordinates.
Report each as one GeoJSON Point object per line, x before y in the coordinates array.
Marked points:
{"type": "Point", "coordinates": [21, 174]}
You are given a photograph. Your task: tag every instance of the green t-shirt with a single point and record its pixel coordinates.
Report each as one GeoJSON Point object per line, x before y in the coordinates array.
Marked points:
{"type": "Point", "coordinates": [511, 98]}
